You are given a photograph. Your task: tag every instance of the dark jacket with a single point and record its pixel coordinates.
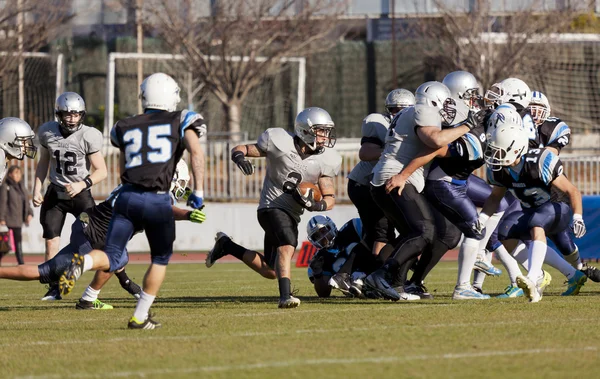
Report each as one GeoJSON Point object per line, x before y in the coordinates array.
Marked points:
{"type": "Point", "coordinates": [14, 203]}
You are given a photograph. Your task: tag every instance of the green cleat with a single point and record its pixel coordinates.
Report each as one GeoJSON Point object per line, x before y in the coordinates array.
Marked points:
{"type": "Point", "coordinates": [92, 305]}
{"type": "Point", "coordinates": [575, 283]}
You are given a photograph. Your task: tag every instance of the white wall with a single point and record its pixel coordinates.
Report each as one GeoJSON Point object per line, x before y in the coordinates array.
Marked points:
{"type": "Point", "coordinates": [238, 220]}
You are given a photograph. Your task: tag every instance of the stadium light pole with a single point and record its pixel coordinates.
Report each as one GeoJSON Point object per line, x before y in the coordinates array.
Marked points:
{"type": "Point", "coordinates": [21, 60]}
{"type": "Point", "coordinates": [140, 47]}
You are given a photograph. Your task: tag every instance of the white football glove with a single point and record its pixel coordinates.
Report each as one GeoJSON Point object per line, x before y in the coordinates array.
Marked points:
{"type": "Point", "coordinates": [578, 226]}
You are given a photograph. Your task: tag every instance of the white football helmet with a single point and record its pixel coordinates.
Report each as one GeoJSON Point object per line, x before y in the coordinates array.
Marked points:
{"type": "Point", "coordinates": [433, 94]}
{"type": "Point", "coordinates": [511, 90]}
{"type": "Point", "coordinates": [311, 125]}
{"type": "Point", "coordinates": [463, 85]}
{"type": "Point", "coordinates": [321, 231]}
{"type": "Point", "coordinates": [507, 143]}
{"type": "Point", "coordinates": [16, 138]}
{"type": "Point", "coordinates": [504, 114]}
{"type": "Point", "coordinates": [160, 91]}
{"type": "Point", "coordinates": [180, 181]}
{"type": "Point", "coordinates": [399, 99]}
{"type": "Point", "coordinates": [69, 103]}
{"type": "Point", "coordinates": [539, 107]}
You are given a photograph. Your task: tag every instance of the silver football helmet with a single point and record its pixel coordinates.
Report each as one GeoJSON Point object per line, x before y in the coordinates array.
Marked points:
{"type": "Point", "coordinates": [539, 107]}
{"type": "Point", "coordinates": [160, 91]}
{"type": "Point", "coordinates": [463, 86]}
{"type": "Point", "coordinates": [399, 99]}
{"type": "Point", "coordinates": [180, 181]}
{"type": "Point", "coordinates": [511, 90]}
{"type": "Point", "coordinates": [432, 94]}
{"type": "Point", "coordinates": [505, 145]}
{"type": "Point", "coordinates": [321, 231]}
{"type": "Point", "coordinates": [315, 128]}
{"type": "Point", "coordinates": [69, 105]}
{"type": "Point", "coordinates": [16, 138]}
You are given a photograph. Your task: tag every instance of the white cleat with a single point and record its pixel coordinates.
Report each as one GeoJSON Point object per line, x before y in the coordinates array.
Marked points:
{"type": "Point", "coordinates": [291, 302]}
{"type": "Point", "coordinates": [408, 296]}
{"type": "Point", "coordinates": [529, 288]}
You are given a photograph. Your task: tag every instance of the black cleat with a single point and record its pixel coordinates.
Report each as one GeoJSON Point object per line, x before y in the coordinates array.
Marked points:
{"type": "Point", "coordinates": [133, 289]}
{"type": "Point", "coordinates": [67, 280]}
{"type": "Point", "coordinates": [418, 289]}
{"type": "Point", "coordinates": [148, 324]}
{"type": "Point", "coordinates": [217, 251]}
{"type": "Point", "coordinates": [341, 282]}
{"type": "Point", "coordinates": [52, 294]}
{"type": "Point", "coordinates": [592, 273]}
{"type": "Point", "coordinates": [379, 282]}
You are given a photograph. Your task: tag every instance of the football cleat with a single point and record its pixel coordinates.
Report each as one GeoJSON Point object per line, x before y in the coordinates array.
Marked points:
{"type": "Point", "coordinates": [487, 268]}
{"type": "Point", "coordinates": [591, 272]}
{"type": "Point", "coordinates": [290, 302]}
{"type": "Point", "coordinates": [341, 282]}
{"type": "Point", "coordinates": [133, 289]}
{"type": "Point", "coordinates": [408, 296]}
{"type": "Point", "coordinates": [148, 324]}
{"type": "Point", "coordinates": [356, 288]}
{"type": "Point", "coordinates": [511, 291]}
{"type": "Point", "coordinates": [544, 282]}
{"type": "Point", "coordinates": [66, 283]}
{"type": "Point", "coordinates": [529, 288]}
{"type": "Point", "coordinates": [217, 251]}
{"type": "Point", "coordinates": [53, 293]}
{"type": "Point", "coordinates": [467, 292]}
{"type": "Point", "coordinates": [575, 283]}
{"type": "Point", "coordinates": [92, 305]}
{"type": "Point", "coordinates": [378, 282]}
{"type": "Point", "coordinates": [418, 289]}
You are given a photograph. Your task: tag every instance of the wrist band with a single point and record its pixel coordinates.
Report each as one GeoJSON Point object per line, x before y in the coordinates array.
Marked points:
{"type": "Point", "coordinates": [88, 182]}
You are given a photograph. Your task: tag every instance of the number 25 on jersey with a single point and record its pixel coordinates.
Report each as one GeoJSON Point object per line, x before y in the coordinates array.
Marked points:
{"type": "Point", "coordinates": [157, 139]}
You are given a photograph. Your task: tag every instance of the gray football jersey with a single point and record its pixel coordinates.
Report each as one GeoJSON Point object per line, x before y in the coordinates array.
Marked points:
{"type": "Point", "coordinates": [69, 161]}
{"type": "Point", "coordinates": [284, 164]}
{"type": "Point", "coordinates": [374, 128]}
{"type": "Point", "coordinates": [402, 145]}
{"type": "Point", "coordinates": [3, 165]}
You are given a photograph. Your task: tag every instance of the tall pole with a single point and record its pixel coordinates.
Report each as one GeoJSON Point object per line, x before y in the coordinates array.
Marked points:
{"type": "Point", "coordinates": [21, 60]}
{"type": "Point", "coordinates": [140, 44]}
{"type": "Point", "coordinates": [393, 16]}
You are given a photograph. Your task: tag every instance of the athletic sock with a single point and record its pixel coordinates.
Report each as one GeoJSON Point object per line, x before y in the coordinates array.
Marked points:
{"type": "Point", "coordinates": [90, 294]}
{"type": "Point", "coordinates": [556, 260]}
{"type": "Point", "coordinates": [511, 265]}
{"type": "Point", "coordinates": [574, 259]}
{"type": "Point", "coordinates": [537, 253]}
{"type": "Point", "coordinates": [143, 307]}
{"type": "Point", "coordinates": [234, 249]}
{"type": "Point", "coordinates": [467, 256]}
{"type": "Point", "coordinates": [88, 262]}
{"type": "Point", "coordinates": [285, 288]}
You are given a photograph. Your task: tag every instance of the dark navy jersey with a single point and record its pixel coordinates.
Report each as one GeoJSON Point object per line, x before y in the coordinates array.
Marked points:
{"type": "Point", "coordinates": [466, 156]}
{"type": "Point", "coordinates": [531, 180]}
{"type": "Point", "coordinates": [97, 219]}
{"type": "Point", "coordinates": [552, 133]}
{"type": "Point", "coordinates": [334, 257]}
{"type": "Point", "coordinates": [152, 144]}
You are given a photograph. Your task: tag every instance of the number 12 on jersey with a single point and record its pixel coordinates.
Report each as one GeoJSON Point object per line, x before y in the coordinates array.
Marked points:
{"type": "Point", "coordinates": [157, 140]}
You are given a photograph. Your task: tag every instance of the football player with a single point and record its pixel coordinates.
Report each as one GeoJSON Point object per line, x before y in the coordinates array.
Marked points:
{"type": "Point", "coordinates": [16, 142]}
{"type": "Point", "coordinates": [412, 132]}
{"type": "Point", "coordinates": [377, 230]}
{"type": "Point", "coordinates": [151, 144]}
{"type": "Point", "coordinates": [69, 148]}
{"type": "Point", "coordinates": [305, 156]}
{"type": "Point", "coordinates": [530, 175]}
{"type": "Point", "coordinates": [89, 232]}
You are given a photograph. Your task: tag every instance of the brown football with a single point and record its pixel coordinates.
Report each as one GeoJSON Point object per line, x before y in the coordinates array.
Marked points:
{"type": "Point", "coordinates": [305, 186]}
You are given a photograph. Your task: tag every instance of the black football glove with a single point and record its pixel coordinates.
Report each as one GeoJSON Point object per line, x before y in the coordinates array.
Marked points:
{"type": "Point", "coordinates": [308, 202]}
{"type": "Point", "coordinates": [240, 160]}
{"type": "Point", "coordinates": [316, 264]}
{"type": "Point", "coordinates": [474, 119]}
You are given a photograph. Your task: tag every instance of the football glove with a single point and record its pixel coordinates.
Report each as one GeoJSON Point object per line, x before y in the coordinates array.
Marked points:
{"type": "Point", "coordinates": [474, 119]}
{"type": "Point", "coordinates": [195, 200]}
{"type": "Point", "coordinates": [316, 264]}
{"type": "Point", "coordinates": [197, 215]}
{"type": "Point", "coordinates": [244, 165]}
{"type": "Point", "coordinates": [578, 226]}
{"type": "Point", "coordinates": [308, 202]}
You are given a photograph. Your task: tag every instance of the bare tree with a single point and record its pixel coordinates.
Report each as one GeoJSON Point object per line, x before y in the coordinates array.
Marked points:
{"type": "Point", "coordinates": [491, 45]}
{"type": "Point", "coordinates": [242, 42]}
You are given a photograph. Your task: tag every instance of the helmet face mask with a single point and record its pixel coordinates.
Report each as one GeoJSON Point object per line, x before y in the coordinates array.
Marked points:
{"type": "Point", "coordinates": [179, 183]}
{"type": "Point", "coordinates": [321, 231]}
{"type": "Point", "coordinates": [505, 146]}
{"type": "Point", "coordinates": [25, 144]}
{"type": "Point", "coordinates": [70, 112]}
{"type": "Point", "coordinates": [16, 138]}
{"type": "Point", "coordinates": [464, 86]}
{"type": "Point", "coordinates": [539, 107]}
{"type": "Point", "coordinates": [315, 128]}
{"type": "Point", "coordinates": [511, 90]}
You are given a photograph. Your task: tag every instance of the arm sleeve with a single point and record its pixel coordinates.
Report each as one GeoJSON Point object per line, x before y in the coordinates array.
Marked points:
{"type": "Point", "coordinates": [560, 136]}
{"type": "Point", "coordinates": [93, 141]}
{"type": "Point", "coordinates": [192, 120]}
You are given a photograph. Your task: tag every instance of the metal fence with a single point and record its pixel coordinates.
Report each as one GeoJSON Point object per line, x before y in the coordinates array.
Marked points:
{"type": "Point", "coordinates": [224, 182]}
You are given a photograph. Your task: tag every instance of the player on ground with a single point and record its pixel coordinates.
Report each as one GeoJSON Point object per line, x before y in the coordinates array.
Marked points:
{"type": "Point", "coordinates": [412, 132]}
{"type": "Point", "coordinates": [16, 142]}
{"type": "Point", "coordinates": [89, 232]}
{"type": "Point", "coordinates": [151, 144]}
{"type": "Point", "coordinates": [305, 156]}
{"type": "Point", "coordinates": [530, 176]}
{"type": "Point", "coordinates": [70, 148]}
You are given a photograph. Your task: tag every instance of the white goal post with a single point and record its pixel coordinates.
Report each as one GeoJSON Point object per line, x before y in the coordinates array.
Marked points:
{"type": "Point", "coordinates": [109, 114]}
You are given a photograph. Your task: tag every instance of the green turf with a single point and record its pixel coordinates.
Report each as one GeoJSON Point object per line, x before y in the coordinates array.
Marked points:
{"type": "Point", "coordinates": [224, 322]}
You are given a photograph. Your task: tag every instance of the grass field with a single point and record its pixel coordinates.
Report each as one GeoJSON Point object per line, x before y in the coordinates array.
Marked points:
{"type": "Point", "coordinates": [224, 322]}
